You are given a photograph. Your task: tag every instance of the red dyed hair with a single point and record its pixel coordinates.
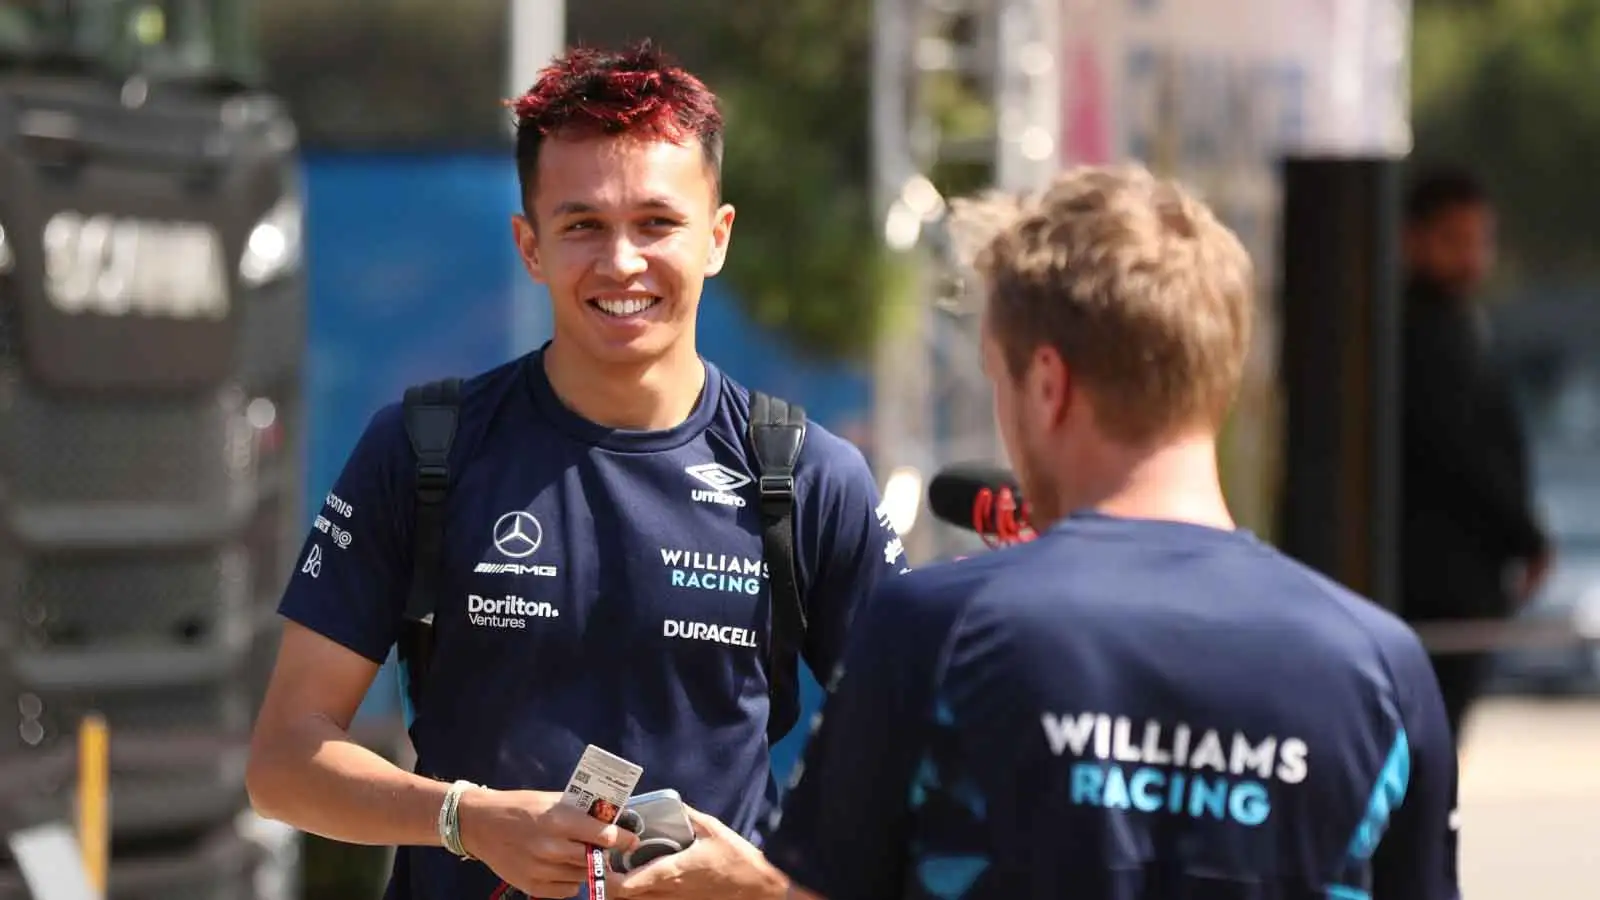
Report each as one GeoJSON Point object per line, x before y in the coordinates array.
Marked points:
{"type": "Point", "coordinates": [638, 91]}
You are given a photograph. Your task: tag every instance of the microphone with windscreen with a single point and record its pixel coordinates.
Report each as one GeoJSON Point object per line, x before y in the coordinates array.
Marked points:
{"type": "Point", "coordinates": [982, 498]}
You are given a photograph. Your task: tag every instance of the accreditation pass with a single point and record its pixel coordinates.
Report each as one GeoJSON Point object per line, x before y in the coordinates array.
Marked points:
{"type": "Point", "coordinates": [602, 784]}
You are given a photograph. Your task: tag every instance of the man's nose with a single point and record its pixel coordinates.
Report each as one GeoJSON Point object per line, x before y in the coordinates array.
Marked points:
{"type": "Point", "coordinates": [622, 259]}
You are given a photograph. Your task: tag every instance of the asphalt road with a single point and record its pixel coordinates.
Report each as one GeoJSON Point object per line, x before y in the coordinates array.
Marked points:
{"type": "Point", "coordinates": [1530, 801]}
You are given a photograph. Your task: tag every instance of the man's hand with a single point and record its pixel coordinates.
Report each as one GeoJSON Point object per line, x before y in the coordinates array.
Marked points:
{"type": "Point", "coordinates": [532, 840]}
{"type": "Point", "coordinates": [718, 864]}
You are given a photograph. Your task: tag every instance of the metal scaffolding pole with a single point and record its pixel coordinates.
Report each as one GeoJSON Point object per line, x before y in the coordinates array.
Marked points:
{"type": "Point", "coordinates": [900, 401]}
{"type": "Point", "coordinates": [538, 35]}
{"type": "Point", "coordinates": [932, 404]}
{"type": "Point", "coordinates": [1027, 93]}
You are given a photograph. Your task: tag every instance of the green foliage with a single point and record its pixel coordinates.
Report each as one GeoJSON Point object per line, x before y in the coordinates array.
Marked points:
{"type": "Point", "coordinates": [961, 116]}
{"type": "Point", "coordinates": [390, 74]}
{"type": "Point", "coordinates": [807, 259]}
{"type": "Point", "coordinates": [1512, 88]}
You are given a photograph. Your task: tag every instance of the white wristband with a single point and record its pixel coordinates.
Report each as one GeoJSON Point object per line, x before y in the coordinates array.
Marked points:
{"type": "Point", "coordinates": [450, 820]}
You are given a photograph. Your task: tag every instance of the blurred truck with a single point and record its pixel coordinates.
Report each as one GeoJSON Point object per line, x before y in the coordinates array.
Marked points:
{"type": "Point", "coordinates": [152, 326]}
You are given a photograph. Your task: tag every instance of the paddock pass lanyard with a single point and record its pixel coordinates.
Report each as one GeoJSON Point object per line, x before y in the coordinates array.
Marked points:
{"type": "Point", "coordinates": [597, 873]}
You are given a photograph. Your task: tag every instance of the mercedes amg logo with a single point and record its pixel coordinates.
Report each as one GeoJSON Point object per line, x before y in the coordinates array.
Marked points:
{"type": "Point", "coordinates": [517, 534]}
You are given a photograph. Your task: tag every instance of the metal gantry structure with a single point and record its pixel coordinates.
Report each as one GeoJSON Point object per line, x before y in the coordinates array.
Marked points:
{"type": "Point", "coordinates": [932, 404]}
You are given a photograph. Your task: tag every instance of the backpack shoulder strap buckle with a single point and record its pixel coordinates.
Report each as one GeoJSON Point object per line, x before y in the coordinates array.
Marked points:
{"type": "Point", "coordinates": [777, 433]}
{"type": "Point", "coordinates": [777, 489]}
{"type": "Point", "coordinates": [433, 482]}
{"type": "Point", "coordinates": [431, 412]}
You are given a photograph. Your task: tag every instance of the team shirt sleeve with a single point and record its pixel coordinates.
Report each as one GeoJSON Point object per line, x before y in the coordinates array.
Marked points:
{"type": "Point", "coordinates": [844, 828]}
{"type": "Point", "coordinates": [853, 547]}
{"type": "Point", "coordinates": [351, 577]}
{"type": "Point", "coordinates": [1416, 860]}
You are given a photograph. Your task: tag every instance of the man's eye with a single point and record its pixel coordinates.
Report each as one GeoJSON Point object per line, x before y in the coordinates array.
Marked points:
{"type": "Point", "coordinates": [582, 225]}
{"type": "Point", "coordinates": [661, 222]}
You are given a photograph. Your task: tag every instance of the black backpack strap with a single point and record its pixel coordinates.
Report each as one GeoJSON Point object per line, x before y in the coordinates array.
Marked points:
{"type": "Point", "coordinates": [777, 432]}
{"type": "Point", "coordinates": [431, 412]}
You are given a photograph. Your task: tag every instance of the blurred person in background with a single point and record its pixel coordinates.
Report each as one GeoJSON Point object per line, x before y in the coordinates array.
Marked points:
{"type": "Point", "coordinates": [1472, 547]}
{"type": "Point", "coordinates": [634, 613]}
{"type": "Point", "coordinates": [1145, 701]}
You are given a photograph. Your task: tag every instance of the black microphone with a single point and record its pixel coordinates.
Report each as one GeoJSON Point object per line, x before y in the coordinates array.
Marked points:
{"type": "Point", "coordinates": [982, 498]}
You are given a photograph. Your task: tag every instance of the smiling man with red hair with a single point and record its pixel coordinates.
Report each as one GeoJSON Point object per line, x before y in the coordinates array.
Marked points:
{"type": "Point", "coordinates": [605, 569]}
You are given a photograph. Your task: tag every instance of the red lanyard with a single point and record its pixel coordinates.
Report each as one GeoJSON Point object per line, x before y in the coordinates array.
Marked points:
{"type": "Point", "coordinates": [597, 874]}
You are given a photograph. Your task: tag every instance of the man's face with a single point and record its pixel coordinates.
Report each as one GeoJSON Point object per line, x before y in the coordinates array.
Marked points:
{"type": "Point", "coordinates": [1454, 251]}
{"type": "Point", "coordinates": [1024, 415]}
{"type": "Point", "coordinates": [626, 232]}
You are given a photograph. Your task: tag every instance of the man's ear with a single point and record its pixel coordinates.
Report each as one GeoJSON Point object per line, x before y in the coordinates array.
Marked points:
{"type": "Point", "coordinates": [527, 240]}
{"type": "Point", "coordinates": [721, 234]}
{"type": "Point", "coordinates": [1049, 385]}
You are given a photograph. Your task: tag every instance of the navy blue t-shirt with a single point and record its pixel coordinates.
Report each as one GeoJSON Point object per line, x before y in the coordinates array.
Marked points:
{"type": "Point", "coordinates": [600, 587]}
{"type": "Point", "coordinates": [1126, 710]}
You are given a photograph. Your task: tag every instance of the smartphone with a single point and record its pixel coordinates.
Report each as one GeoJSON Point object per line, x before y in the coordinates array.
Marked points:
{"type": "Point", "coordinates": [661, 823]}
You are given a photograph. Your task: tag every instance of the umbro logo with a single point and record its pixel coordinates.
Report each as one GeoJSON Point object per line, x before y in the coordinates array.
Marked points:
{"type": "Point", "coordinates": [722, 482]}
{"type": "Point", "coordinates": [718, 477]}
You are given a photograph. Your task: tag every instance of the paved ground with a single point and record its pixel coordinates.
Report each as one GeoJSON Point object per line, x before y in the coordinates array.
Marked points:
{"type": "Point", "coordinates": [1530, 801]}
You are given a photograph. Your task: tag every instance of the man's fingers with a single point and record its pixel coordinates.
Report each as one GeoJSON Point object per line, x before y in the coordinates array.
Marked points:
{"type": "Point", "coordinates": [605, 837]}
{"type": "Point", "coordinates": [704, 825]}
{"type": "Point", "coordinates": [560, 856]}
{"type": "Point", "coordinates": [545, 880]}
{"type": "Point", "coordinates": [550, 890]}
{"type": "Point", "coordinates": [616, 885]}
{"type": "Point", "coordinates": [615, 836]}
{"type": "Point", "coordinates": [585, 829]}
{"type": "Point", "coordinates": [641, 880]}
